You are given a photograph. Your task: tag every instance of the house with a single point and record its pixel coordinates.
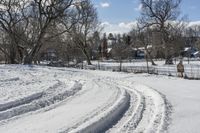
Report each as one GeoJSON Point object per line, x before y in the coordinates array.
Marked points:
{"type": "Point", "coordinates": [139, 53]}
{"type": "Point", "coordinates": [196, 54]}
{"type": "Point", "coordinates": [190, 52]}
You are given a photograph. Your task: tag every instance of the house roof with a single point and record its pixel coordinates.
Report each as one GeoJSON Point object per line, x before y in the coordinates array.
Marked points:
{"type": "Point", "coordinates": [109, 50]}
{"type": "Point", "coordinates": [196, 53]}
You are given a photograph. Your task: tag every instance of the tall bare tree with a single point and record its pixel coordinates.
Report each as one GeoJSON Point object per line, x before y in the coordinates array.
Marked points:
{"type": "Point", "coordinates": [121, 50]}
{"type": "Point", "coordinates": [87, 25]}
{"type": "Point", "coordinates": [43, 15]}
{"type": "Point", "coordinates": [145, 40]}
{"type": "Point", "coordinates": [159, 14]}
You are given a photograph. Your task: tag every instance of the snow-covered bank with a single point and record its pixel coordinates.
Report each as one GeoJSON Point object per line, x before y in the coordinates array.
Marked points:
{"type": "Point", "coordinates": [63, 113]}
{"type": "Point", "coordinates": [37, 101]}
{"type": "Point", "coordinates": [119, 102]}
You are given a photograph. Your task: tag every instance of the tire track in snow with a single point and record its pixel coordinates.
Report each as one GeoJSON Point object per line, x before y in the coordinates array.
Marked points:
{"type": "Point", "coordinates": [94, 121]}
{"type": "Point", "coordinates": [150, 113]}
{"type": "Point", "coordinates": [133, 114]}
{"type": "Point", "coordinates": [154, 116]}
{"type": "Point", "coordinates": [146, 113]}
{"type": "Point", "coordinates": [38, 100]}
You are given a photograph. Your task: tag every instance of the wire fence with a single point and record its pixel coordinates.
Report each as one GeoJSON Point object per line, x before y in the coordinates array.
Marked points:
{"type": "Point", "coordinates": [190, 71]}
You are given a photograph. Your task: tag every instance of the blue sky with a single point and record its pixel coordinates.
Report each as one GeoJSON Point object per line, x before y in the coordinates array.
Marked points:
{"type": "Point", "coordinates": [120, 15]}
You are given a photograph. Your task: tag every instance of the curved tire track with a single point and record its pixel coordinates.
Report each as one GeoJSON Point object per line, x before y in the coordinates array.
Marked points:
{"type": "Point", "coordinates": [148, 112]}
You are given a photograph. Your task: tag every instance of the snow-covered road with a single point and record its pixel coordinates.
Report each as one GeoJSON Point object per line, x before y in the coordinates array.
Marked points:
{"type": "Point", "coordinates": [45, 99]}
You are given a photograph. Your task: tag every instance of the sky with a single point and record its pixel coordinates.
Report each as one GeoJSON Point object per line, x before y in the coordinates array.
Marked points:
{"type": "Point", "coordinates": [118, 16]}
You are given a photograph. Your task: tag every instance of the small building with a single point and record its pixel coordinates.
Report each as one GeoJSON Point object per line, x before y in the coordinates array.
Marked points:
{"type": "Point", "coordinates": [190, 52]}
{"type": "Point", "coordinates": [140, 54]}
{"type": "Point", "coordinates": [196, 54]}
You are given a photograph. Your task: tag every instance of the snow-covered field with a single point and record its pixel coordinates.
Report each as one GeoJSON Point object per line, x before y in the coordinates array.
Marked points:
{"type": "Point", "coordinates": [37, 99]}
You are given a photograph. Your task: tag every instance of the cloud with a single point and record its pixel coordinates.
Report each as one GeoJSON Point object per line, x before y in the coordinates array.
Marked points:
{"type": "Point", "coordinates": [105, 5]}
{"type": "Point", "coordinates": [128, 25]}
{"type": "Point", "coordinates": [193, 23]}
{"type": "Point", "coordinates": [122, 27]}
{"type": "Point", "coordinates": [139, 8]}
{"type": "Point", "coordinates": [125, 27]}
{"type": "Point", "coordinates": [105, 24]}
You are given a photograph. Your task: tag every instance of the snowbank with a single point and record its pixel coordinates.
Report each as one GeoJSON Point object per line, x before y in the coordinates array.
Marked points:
{"type": "Point", "coordinates": [106, 119]}
{"type": "Point", "coordinates": [38, 100]}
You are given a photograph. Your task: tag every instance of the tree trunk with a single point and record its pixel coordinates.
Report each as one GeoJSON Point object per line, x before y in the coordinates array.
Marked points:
{"type": "Point", "coordinates": [120, 65]}
{"type": "Point", "coordinates": [99, 64]}
{"type": "Point", "coordinates": [12, 54]}
{"type": "Point", "coordinates": [30, 56]}
{"type": "Point", "coordinates": [150, 57]}
{"type": "Point", "coordinates": [12, 58]}
{"type": "Point", "coordinates": [147, 63]}
{"type": "Point", "coordinates": [88, 61]}
{"type": "Point", "coordinates": [87, 56]}
{"type": "Point", "coordinates": [28, 60]}
{"type": "Point", "coordinates": [21, 54]}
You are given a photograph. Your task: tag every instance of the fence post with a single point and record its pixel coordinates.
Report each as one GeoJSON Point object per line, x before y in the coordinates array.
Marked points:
{"type": "Point", "coordinates": [198, 73]}
{"type": "Point", "coordinates": [193, 74]}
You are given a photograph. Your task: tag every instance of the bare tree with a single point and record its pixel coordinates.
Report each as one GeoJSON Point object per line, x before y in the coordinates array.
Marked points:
{"type": "Point", "coordinates": [120, 50]}
{"type": "Point", "coordinates": [87, 25]}
{"type": "Point", "coordinates": [27, 25]}
{"type": "Point", "coordinates": [95, 42]}
{"type": "Point", "coordinates": [145, 40]}
{"type": "Point", "coordinates": [159, 14]}
{"type": "Point", "coordinates": [11, 21]}
{"type": "Point", "coordinates": [43, 15]}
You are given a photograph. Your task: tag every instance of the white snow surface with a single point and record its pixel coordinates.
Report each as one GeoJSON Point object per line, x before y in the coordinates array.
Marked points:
{"type": "Point", "coordinates": [37, 99]}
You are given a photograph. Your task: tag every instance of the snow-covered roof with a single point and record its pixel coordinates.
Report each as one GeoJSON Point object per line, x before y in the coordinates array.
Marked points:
{"type": "Point", "coordinates": [142, 48]}
{"type": "Point", "coordinates": [195, 53]}
{"type": "Point", "coordinates": [187, 48]}
{"type": "Point", "coordinates": [109, 49]}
